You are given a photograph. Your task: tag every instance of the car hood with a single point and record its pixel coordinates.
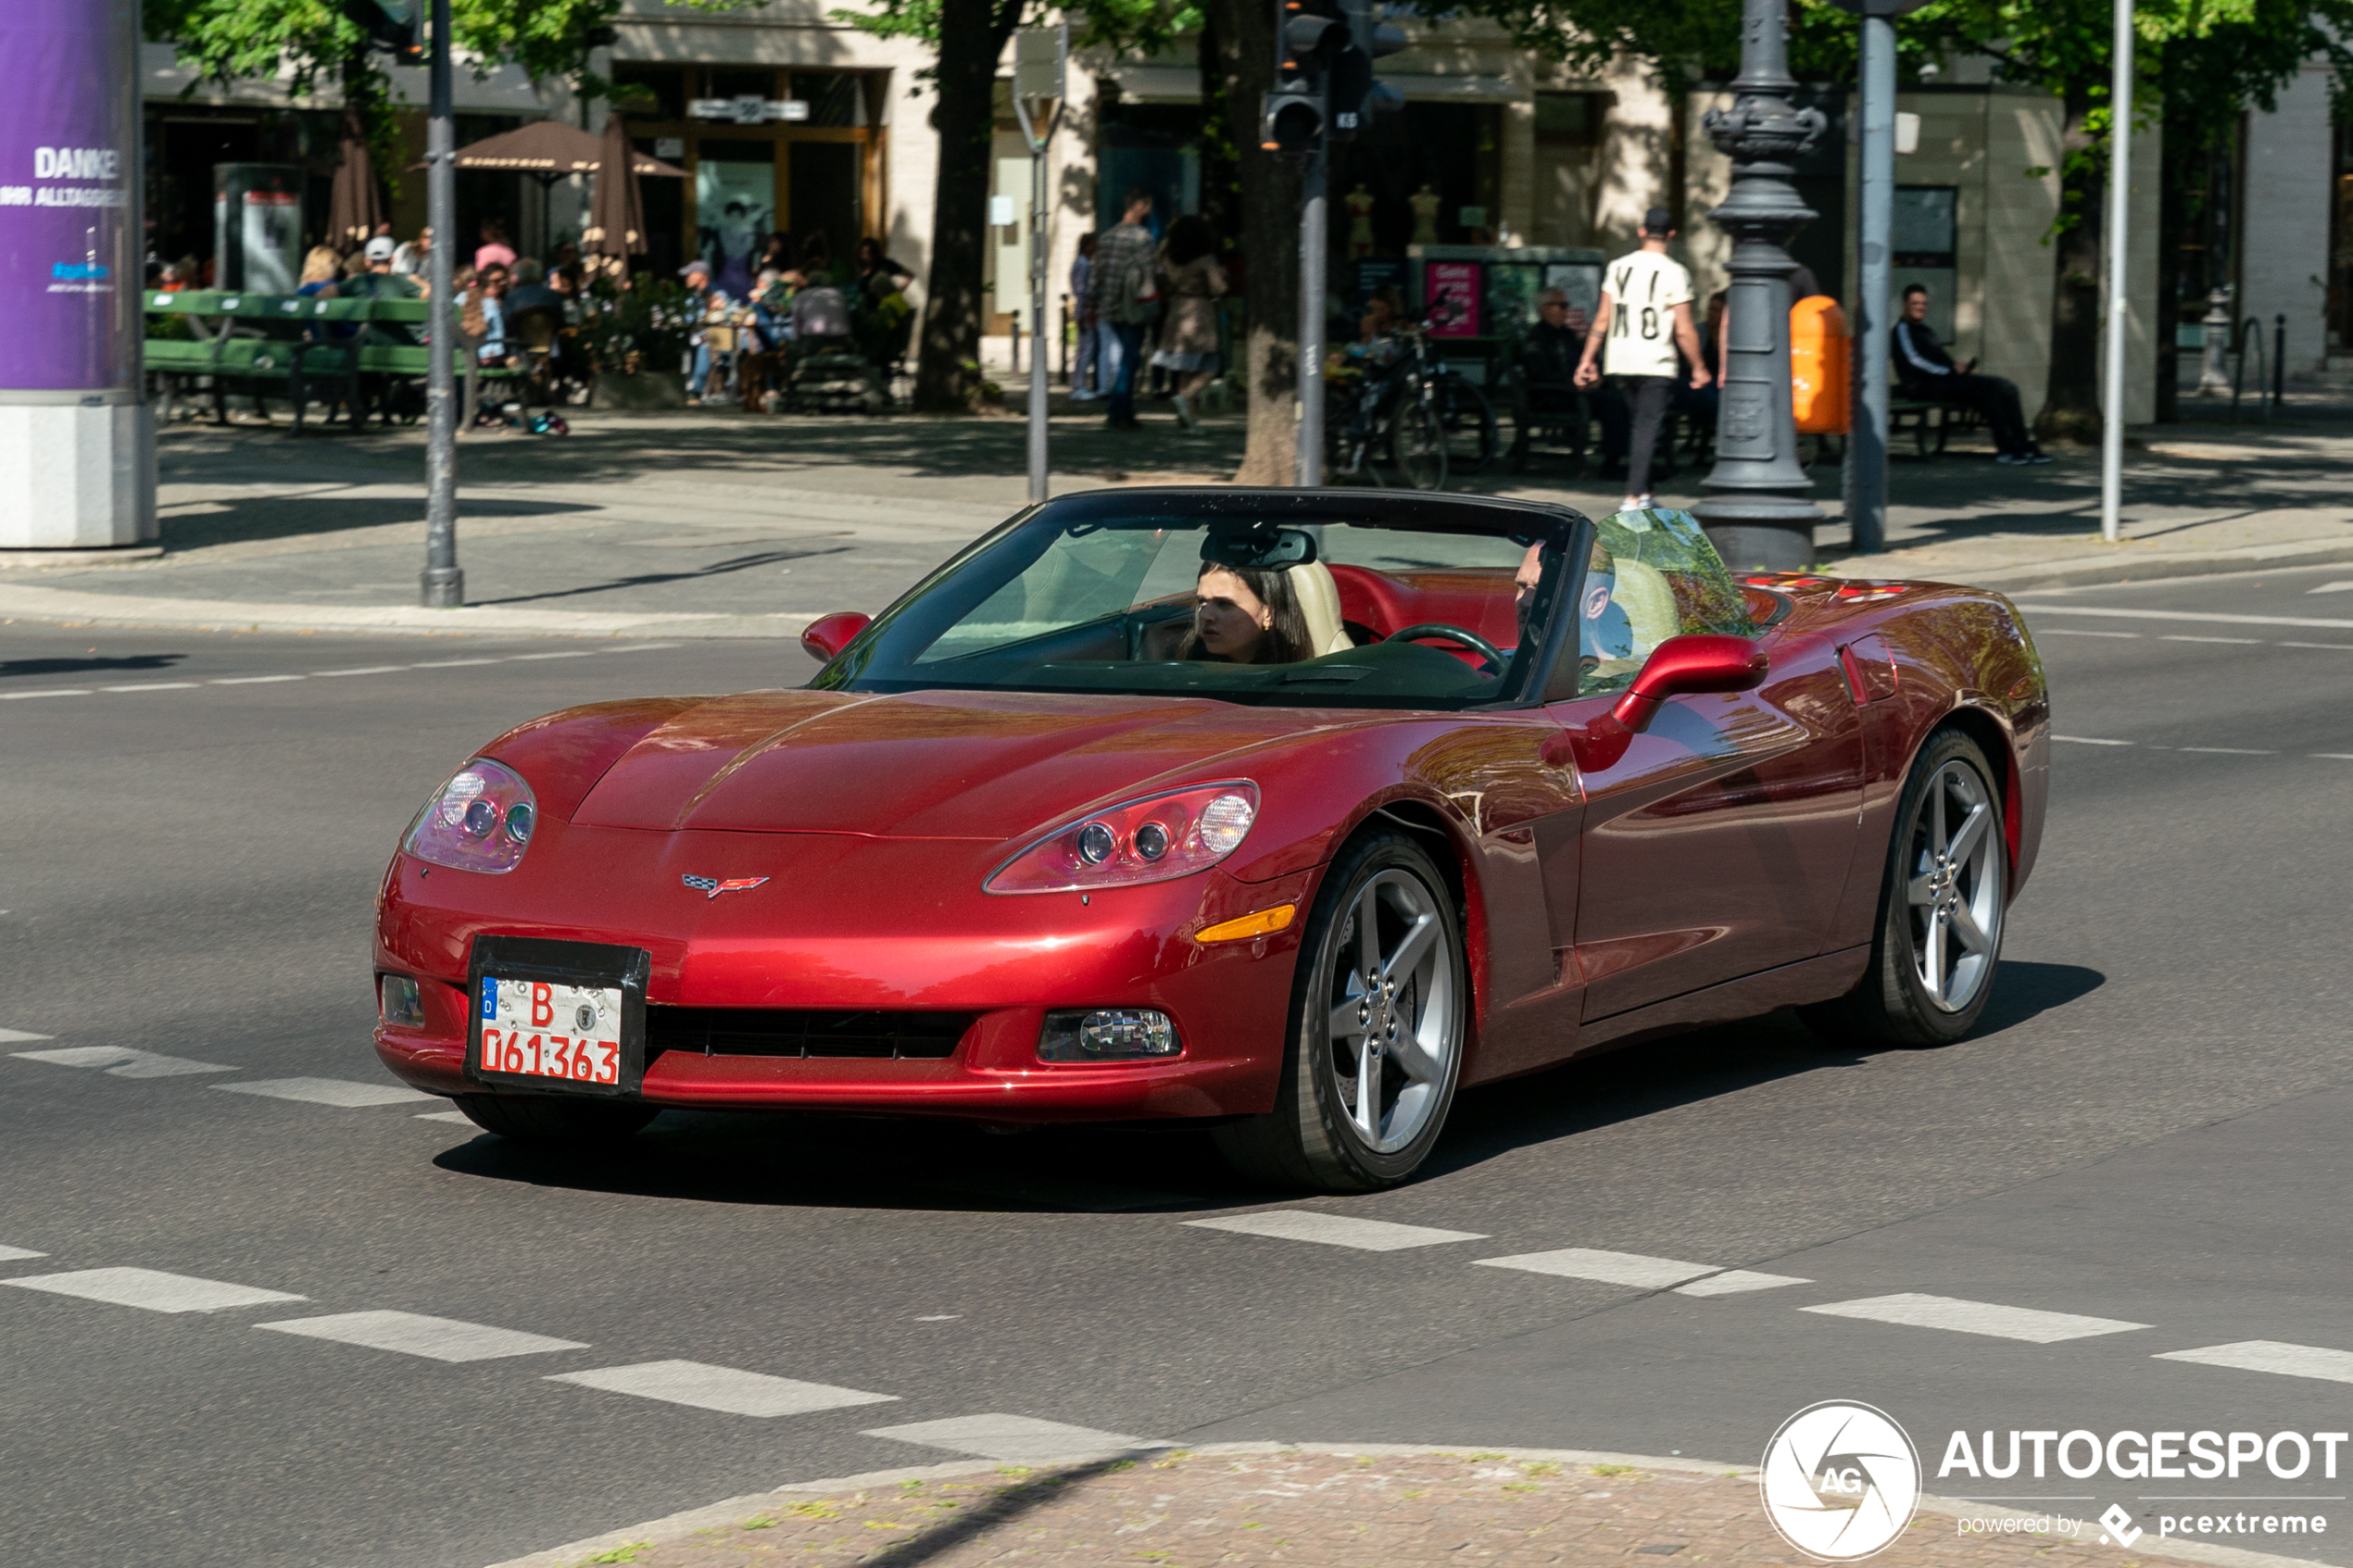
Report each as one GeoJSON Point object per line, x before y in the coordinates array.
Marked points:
{"type": "Point", "coordinates": [991, 765]}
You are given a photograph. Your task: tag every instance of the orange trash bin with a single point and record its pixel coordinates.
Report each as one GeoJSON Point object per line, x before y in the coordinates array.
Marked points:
{"type": "Point", "coordinates": [1820, 356]}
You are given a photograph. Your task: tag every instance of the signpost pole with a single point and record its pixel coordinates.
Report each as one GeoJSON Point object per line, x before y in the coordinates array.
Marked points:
{"type": "Point", "coordinates": [1867, 496]}
{"type": "Point", "coordinates": [2119, 206]}
{"type": "Point", "coordinates": [443, 582]}
{"type": "Point", "coordinates": [1042, 62]}
{"type": "Point", "coordinates": [1313, 231]}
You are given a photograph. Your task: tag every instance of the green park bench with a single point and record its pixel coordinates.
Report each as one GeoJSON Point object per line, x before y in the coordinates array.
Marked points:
{"type": "Point", "coordinates": [258, 346]}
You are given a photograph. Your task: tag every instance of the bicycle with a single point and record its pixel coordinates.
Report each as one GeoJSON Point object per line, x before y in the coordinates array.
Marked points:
{"type": "Point", "coordinates": [1409, 410]}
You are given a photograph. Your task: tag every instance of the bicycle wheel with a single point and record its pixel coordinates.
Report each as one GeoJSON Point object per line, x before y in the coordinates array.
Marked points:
{"type": "Point", "coordinates": [1468, 419]}
{"type": "Point", "coordinates": [1417, 445]}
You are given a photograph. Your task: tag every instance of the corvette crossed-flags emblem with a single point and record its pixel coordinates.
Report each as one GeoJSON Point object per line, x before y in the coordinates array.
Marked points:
{"type": "Point", "coordinates": [711, 887]}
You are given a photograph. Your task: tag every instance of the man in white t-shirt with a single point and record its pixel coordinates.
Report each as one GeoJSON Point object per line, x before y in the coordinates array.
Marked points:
{"type": "Point", "coordinates": [1645, 316]}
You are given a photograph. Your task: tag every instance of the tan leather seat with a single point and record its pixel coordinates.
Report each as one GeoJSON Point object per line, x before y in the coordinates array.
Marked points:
{"type": "Point", "coordinates": [1319, 606]}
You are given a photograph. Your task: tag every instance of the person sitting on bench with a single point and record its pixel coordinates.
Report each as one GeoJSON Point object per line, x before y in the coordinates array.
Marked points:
{"type": "Point", "coordinates": [1927, 374]}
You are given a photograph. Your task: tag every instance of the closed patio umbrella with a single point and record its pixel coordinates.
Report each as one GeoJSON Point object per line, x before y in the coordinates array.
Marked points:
{"type": "Point", "coordinates": [355, 205]}
{"type": "Point", "coordinates": [617, 214]}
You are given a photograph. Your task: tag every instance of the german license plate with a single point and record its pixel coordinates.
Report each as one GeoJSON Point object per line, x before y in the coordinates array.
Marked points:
{"type": "Point", "coordinates": [544, 1029]}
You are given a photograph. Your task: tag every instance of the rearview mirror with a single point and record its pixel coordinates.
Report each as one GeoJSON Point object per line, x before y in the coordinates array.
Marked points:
{"type": "Point", "coordinates": [1696, 662]}
{"type": "Point", "coordinates": [828, 634]}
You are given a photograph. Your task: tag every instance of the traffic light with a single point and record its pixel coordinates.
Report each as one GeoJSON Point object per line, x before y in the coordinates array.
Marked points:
{"type": "Point", "coordinates": [395, 26]}
{"type": "Point", "coordinates": [1309, 36]}
{"type": "Point", "coordinates": [1352, 94]}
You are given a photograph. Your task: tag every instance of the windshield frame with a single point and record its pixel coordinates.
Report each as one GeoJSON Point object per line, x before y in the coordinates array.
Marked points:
{"type": "Point", "coordinates": [1565, 535]}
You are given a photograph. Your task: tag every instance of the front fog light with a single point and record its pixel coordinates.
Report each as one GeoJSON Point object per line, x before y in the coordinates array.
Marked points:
{"type": "Point", "coordinates": [1107, 1034]}
{"type": "Point", "coordinates": [399, 1002]}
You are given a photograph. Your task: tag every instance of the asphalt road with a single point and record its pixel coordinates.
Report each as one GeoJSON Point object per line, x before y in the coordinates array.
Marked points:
{"type": "Point", "coordinates": [2147, 1131]}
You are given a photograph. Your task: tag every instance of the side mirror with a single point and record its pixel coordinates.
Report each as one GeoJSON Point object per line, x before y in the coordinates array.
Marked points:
{"type": "Point", "coordinates": [1697, 661]}
{"type": "Point", "coordinates": [828, 634]}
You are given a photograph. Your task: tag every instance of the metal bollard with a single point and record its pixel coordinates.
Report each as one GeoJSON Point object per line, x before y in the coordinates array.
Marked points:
{"type": "Point", "coordinates": [1016, 320]}
{"type": "Point", "coordinates": [2214, 380]}
{"type": "Point", "coordinates": [2279, 360]}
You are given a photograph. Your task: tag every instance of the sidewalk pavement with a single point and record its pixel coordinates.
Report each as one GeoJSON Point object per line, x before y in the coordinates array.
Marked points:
{"type": "Point", "coordinates": [714, 523]}
{"type": "Point", "coordinates": [1314, 1506]}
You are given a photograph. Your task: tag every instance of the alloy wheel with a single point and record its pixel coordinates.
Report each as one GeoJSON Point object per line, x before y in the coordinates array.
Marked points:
{"type": "Point", "coordinates": [1392, 1033]}
{"type": "Point", "coordinates": [1954, 886]}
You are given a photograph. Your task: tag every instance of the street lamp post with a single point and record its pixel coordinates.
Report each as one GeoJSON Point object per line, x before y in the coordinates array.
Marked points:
{"type": "Point", "coordinates": [1757, 511]}
{"type": "Point", "coordinates": [443, 582]}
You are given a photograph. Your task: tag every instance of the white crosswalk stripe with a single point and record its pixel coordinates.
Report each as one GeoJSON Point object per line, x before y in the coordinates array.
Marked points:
{"type": "Point", "coordinates": [1974, 1317]}
{"type": "Point", "coordinates": [720, 1388]}
{"type": "Point", "coordinates": [1335, 1230]}
{"type": "Point", "coordinates": [2271, 1355]}
{"type": "Point", "coordinates": [1640, 1272]}
{"type": "Point", "coordinates": [1017, 1438]}
{"type": "Point", "coordinates": [1734, 1282]}
{"type": "Point", "coordinates": [151, 1289]}
{"type": "Point", "coordinates": [121, 1061]}
{"type": "Point", "coordinates": [10, 1036]}
{"type": "Point", "coordinates": [325, 1091]}
{"type": "Point", "coordinates": [413, 1333]}
{"type": "Point", "coordinates": [18, 1254]}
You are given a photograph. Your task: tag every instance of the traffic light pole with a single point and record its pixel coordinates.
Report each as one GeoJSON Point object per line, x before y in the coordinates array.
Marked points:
{"type": "Point", "coordinates": [444, 581]}
{"type": "Point", "coordinates": [1313, 232]}
{"type": "Point", "coordinates": [1867, 489]}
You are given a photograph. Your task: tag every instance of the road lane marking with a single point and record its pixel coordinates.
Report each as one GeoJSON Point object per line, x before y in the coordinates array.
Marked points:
{"type": "Point", "coordinates": [154, 687]}
{"type": "Point", "coordinates": [364, 670]}
{"type": "Point", "coordinates": [324, 1091]}
{"type": "Point", "coordinates": [252, 680]}
{"type": "Point", "coordinates": [2271, 1355]}
{"type": "Point", "coordinates": [2185, 637]}
{"type": "Point", "coordinates": [720, 1388]}
{"type": "Point", "coordinates": [2090, 740]}
{"type": "Point", "coordinates": [2212, 617]}
{"type": "Point", "coordinates": [151, 1289]}
{"type": "Point", "coordinates": [18, 1254]}
{"type": "Point", "coordinates": [2330, 588]}
{"type": "Point", "coordinates": [1609, 1268]}
{"type": "Point", "coordinates": [1335, 1230]}
{"type": "Point", "coordinates": [10, 1036]}
{"type": "Point", "coordinates": [1002, 1437]}
{"type": "Point", "coordinates": [573, 653]}
{"type": "Point", "coordinates": [1974, 1317]}
{"type": "Point", "coordinates": [2334, 756]}
{"type": "Point", "coordinates": [53, 691]}
{"type": "Point", "coordinates": [1732, 1282]}
{"type": "Point", "coordinates": [2339, 648]}
{"type": "Point", "coordinates": [2227, 750]}
{"type": "Point", "coordinates": [452, 663]}
{"type": "Point", "coordinates": [121, 1061]}
{"type": "Point", "coordinates": [2082, 632]}
{"type": "Point", "coordinates": [413, 1333]}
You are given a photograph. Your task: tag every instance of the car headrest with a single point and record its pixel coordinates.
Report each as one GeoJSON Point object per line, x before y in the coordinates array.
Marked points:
{"type": "Point", "coordinates": [1318, 598]}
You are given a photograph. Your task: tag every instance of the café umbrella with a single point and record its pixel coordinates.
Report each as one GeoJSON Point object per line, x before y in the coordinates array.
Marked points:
{"type": "Point", "coordinates": [550, 150]}
{"type": "Point", "coordinates": [617, 214]}
{"type": "Point", "coordinates": [355, 203]}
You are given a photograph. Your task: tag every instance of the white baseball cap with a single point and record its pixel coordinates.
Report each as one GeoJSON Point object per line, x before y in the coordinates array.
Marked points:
{"type": "Point", "coordinates": [381, 248]}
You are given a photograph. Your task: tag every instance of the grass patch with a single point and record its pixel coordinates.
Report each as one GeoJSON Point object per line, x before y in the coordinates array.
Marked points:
{"type": "Point", "coordinates": [629, 1553]}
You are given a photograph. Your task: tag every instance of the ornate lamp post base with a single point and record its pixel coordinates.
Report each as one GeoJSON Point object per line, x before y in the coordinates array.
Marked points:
{"type": "Point", "coordinates": [1759, 511]}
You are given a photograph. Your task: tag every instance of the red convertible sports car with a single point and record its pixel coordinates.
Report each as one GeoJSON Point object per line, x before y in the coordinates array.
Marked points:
{"type": "Point", "coordinates": [1287, 813]}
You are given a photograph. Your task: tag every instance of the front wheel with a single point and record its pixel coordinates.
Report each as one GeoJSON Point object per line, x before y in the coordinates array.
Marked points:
{"type": "Point", "coordinates": [1417, 445]}
{"type": "Point", "coordinates": [1942, 906]}
{"type": "Point", "coordinates": [1377, 1020]}
{"type": "Point", "coordinates": [550, 1118]}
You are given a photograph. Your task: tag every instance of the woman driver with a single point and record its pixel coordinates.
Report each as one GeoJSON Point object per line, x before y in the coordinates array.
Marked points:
{"type": "Point", "coordinates": [1246, 615]}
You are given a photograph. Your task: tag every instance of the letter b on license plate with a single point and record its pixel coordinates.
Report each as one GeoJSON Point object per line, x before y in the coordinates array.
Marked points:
{"type": "Point", "coordinates": [552, 1016]}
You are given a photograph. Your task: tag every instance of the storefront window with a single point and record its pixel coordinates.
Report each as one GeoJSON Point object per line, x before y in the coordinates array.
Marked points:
{"type": "Point", "coordinates": [649, 92]}
{"type": "Point", "coordinates": [834, 98]}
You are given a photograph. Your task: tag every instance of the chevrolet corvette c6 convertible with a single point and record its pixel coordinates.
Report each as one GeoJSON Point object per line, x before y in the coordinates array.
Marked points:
{"type": "Point", "coordinates": [1283, 813]}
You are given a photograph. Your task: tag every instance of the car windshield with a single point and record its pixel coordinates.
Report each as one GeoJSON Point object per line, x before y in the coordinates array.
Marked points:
{"type": "Point", "coordinates": [1295, 599]}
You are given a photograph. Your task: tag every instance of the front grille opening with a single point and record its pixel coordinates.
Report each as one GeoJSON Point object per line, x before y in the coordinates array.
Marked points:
{"type": "Point", "coordinates": [907, 1037]}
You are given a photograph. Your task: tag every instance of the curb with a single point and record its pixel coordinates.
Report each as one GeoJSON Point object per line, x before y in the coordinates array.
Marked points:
{"type": "Point", "coordinates": [105, 555]}
{"type": "Point", "coordinates": [719, 1513]}
{"type": "Point", "coordinates": [27, 602]}
{"type": "Point", "coordinates": [2087, 571]}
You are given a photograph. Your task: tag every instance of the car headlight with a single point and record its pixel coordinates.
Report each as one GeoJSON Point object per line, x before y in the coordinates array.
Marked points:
{"type": "Point", "coordinates": [1156, 838]}
{"type": "Point", "coordinates": [481, 820]}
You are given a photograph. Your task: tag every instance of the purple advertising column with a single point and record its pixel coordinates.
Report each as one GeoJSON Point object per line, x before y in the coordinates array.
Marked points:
{"type": "Point", "coordinates": [77, 442]}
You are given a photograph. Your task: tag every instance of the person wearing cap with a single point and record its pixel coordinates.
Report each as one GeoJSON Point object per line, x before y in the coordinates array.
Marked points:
{"type": "Point", "coordinates": [377, 279]}
{"type": "Point", "coordinates": [1644, 319]}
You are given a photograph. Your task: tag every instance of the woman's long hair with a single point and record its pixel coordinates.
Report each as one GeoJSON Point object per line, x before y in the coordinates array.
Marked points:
{"type": "Point", "coordinates": [1285, 640]}
{"type": "Point", "coordinates": [1190, 239]}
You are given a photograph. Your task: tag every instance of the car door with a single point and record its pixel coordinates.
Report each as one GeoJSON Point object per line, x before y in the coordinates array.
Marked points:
{"type": "Point", "coordinates": [1718, 842]}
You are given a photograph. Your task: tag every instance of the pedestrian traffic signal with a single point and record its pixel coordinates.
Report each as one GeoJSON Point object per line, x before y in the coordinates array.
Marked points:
{"type": "Point", "coordinates": [1352, 93]}
{"type": "Point", "coordinates": [395, 26]}
{"type": "Point", "coordinates": [1294, 118]}
{"type": "Point", "coordinates": [1309, 35]}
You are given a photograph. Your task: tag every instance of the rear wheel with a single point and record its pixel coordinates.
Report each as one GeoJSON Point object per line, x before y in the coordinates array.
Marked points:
{"type": "Point", "coordinates": [1417, 445]}
{"type": "Point", "coordinates": [1942, 903]}
{"type": "Point", "coordinates": [1377, 1029]}
{"type": "Point", "coordinates": [1469, 418]}
{"type": "Point", "coordinates": [550, 1120]}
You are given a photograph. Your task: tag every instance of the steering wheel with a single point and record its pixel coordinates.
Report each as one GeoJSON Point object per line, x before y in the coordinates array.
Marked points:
{"type": "Point", "coordinates": [1439, 629]}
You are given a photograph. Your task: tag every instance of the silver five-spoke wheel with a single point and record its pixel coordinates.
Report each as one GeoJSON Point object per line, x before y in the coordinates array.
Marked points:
{"type": "Point", "coordinates": [1392, 1033]}
{"type": "Point", "coordinates": [1954, 890]}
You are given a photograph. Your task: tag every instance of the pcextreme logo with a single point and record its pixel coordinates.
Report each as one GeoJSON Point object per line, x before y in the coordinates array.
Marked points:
{"type": "Point", "coordinates": [1841, 1481]}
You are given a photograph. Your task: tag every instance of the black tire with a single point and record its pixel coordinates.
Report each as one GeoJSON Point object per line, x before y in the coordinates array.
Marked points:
{"type": "Point", "coordinates": [1311, 1138]}
{"type": "Point", "coordinates": [1469, 418]}
{"type": "Point", "coordinates": [1893, 1004]}
{"type": "Point", "coordinates": [1417, 447]}
{"type": "Point", "coordinates": [549, 1119]}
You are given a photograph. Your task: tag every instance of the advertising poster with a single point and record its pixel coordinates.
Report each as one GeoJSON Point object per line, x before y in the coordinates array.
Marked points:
{"type": "Point", "coordinates": [69, 196]}
{"type": "Point", "coordinates": [1451, 295]}
{"type": "Point", "coordinates": [272, 238]}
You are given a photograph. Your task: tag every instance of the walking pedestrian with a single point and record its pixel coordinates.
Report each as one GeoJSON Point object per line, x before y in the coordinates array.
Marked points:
{"type": "Point", "coordinates": [1189, 342]}
{"type": "Point", "coordinates": [1125, 295]}
{"type": "Point", "coordinates": [1928, 375]}
{"type": "Point", "coordinates": [1645, 316]}
{"type": "Point", "coordinates": [1085, 383]}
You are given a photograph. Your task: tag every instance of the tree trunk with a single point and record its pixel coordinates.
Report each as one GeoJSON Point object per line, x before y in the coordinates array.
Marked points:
{"type": "Point", "coordinates": [2071, 402]}
{"type": "Point", "coordinates": [1269, 233]}
{"type": "Point", "coordinates": [971, 35]}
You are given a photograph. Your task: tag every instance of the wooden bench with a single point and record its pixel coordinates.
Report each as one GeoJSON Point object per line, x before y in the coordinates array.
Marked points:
{"type": "Point", "coordinates": [1925, 419]}
{"type": "Point", "coordinates": [261, 345]}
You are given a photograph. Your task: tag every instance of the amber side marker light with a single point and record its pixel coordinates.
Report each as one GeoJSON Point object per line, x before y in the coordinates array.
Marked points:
{"type": "Point", "coordinates": [1259, 925]}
